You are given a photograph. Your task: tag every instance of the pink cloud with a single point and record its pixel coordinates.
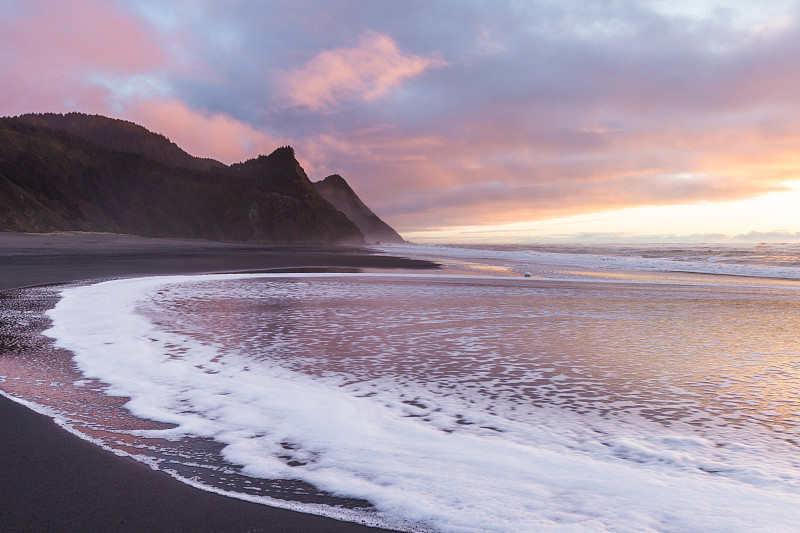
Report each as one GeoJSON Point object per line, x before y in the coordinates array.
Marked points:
{"type": "Point", "coordinates": [367, 71]}
{"type": "Point", "coordinates": [484, 173]}
{"type": "Point", "coordinates": [92, 56]}
{"type": "Point", "coordinates": [204, 135]}
{"type": "Point", "coordinates": [521, 125]}
{"type": "Point", "coordinates": [50, 47]}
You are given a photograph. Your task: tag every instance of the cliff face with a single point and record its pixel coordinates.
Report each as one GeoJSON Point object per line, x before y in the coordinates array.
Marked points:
{"type": "Point", "coordinates": [284, 203]}
{"type": "Point", "coordinates": [90, 173]}
{"type": "Point", "coordinates": [336, 191]}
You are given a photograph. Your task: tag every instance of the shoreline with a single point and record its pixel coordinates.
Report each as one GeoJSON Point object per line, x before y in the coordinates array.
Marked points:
{"type": "Point", "coordinates": [54, 480]}
{"type": "Point", "coordinates": [38, 259]}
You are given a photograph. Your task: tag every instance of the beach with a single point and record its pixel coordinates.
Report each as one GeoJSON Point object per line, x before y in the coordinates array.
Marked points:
{"type": "Point", "coordinates": [52, 480]}
{"type": "Point", "coordinates": [494, 388]}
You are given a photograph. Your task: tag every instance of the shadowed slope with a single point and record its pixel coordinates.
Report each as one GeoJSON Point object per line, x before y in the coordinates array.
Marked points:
{"type": "Point", "coordinates": [336, 191]}
{"type": "Point", "coordinates": [138, 182]}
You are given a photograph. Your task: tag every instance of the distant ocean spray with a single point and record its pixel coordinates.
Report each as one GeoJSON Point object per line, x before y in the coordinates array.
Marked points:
{"type": "Point", "coordinates": [649, 388]}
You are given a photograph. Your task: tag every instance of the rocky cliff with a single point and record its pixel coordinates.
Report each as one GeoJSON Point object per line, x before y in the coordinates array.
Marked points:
{"type": "Point", "coordinates": [79, 172]}
{"type": "Point", "coordinates": [336, 191]}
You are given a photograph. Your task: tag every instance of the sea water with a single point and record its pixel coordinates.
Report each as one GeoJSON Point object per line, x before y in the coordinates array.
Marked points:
{"type": "Point", "coordinates": [615, 389]}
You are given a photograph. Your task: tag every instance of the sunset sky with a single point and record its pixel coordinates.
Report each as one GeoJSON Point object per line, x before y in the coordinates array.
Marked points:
{"type": "Point", "coordinates": [461, 120]}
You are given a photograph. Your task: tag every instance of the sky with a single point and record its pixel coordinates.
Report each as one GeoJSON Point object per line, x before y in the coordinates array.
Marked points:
{"type": "Point", "coordinates": [456, 121]}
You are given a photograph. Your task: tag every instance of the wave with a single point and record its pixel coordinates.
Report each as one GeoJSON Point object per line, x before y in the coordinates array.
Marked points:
{"type": "Point", "coordinates": [758, 260]}
{"type": "Point", "coordinates": [409, 397]}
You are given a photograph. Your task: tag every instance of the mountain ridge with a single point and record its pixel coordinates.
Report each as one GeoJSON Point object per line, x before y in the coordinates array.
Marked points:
{"type": "Point", "coordinates": [80, 172]}
{"type": "Point", "coordinates": [121, 136]}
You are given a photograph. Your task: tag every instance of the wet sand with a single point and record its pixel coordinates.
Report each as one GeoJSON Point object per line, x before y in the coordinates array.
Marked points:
{"type": "Point", "coordinates": [51, 480]}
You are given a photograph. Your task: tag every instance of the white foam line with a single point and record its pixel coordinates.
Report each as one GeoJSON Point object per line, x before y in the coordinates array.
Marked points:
{"type": "Point", "coordinates": [308, 508]}
{"type": "Point", "coordinates": [358, 447]}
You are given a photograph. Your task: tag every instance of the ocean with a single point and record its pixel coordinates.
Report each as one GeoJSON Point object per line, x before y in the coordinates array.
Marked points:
{"type": "Point", "coordinates": [519, 388]}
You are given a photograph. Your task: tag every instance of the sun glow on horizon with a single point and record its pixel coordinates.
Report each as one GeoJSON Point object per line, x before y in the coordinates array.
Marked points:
{"type": "Point", "coordinates": [773, 217]}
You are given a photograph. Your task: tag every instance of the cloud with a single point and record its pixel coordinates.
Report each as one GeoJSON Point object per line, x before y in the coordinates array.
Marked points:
{"type": "Point", "coordinates": [203, 134]}
{"type": "Point", "coordinates": [56, 56]}
{"type": "Point", "coordinates": [767, 236]}
{"type": "Point", "coordinates": [495, 203]}
{"type": "Point", "coordinates": [365, 72]}
{"type": "Point", "coordinates": [544, 107]}
{"type": "Point", "coordinates": [50, 49]}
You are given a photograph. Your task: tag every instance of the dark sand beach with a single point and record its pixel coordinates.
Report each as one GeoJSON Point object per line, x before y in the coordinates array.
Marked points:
{"type": "Point", "coordinates": [51, 480]}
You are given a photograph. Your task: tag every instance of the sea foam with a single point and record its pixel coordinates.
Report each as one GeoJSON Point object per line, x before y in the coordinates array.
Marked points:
{"type": "Point", "coordinates": [430, 454]}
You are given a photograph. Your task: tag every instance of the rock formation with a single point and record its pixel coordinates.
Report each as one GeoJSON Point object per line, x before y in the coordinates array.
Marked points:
{"type": "Point", "coordinates": [78, 172]}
